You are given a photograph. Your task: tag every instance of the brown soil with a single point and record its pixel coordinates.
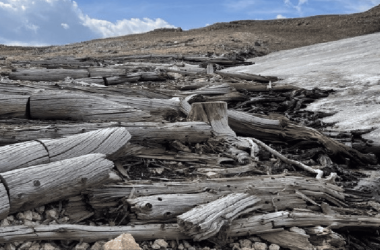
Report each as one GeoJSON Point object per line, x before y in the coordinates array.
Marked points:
{"type": "Point", "coordinates": [258, 37]}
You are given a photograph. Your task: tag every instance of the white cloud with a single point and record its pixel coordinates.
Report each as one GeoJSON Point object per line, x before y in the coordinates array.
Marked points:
{"type": "Point", "coordinates": [37, 22]}
{"type": "Point", "coordinates": [65, 26]}
{"type": "Point", "coordinates": [297, 6]}
{"type": "Point", "coordinates": [279, 16]}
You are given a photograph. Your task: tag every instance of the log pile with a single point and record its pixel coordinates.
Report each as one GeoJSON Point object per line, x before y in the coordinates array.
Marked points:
{"type": "Point", "coordinates": [169, 147]}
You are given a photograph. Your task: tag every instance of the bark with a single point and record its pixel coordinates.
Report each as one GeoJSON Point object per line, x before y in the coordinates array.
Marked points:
{"type": "Point", "coordinates": [82, 108]}
{"type": "Point", "coordinates": [140, 131]}
{"type": "Point", "coordinates": [13, 106]}
{"type": "Point", "coordinates": [38, 185]}
{"type": "Point", "coordinates": [205, 221]}
{"type": "Point", "coordinates": [48, 74]}
{"type": "Point", "coordinates": [4, 202]}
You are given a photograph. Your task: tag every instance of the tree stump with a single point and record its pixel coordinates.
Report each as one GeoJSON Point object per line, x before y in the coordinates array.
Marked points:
{"type": "Point", "coordinates": [38, 185]}
{"type": "Point", "coordinates": [214, 113]}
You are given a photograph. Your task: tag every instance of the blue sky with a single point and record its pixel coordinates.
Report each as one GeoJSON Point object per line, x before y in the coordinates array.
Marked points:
{"type": "Point", "coordinates": [55, 22]}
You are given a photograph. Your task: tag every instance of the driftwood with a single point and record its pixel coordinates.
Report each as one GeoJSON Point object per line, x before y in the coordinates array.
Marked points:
{"type": "Point", "coordinates": [140, 131]}
{"type": "Point", "coordinates": [38, 185]}
{"type": "Point", "coordinates": [263, 88]}
{"type": "Point", "coordinates": [205, 221]}
{"type": "Point", "coordinates": [48, 74]}
{"type": "Point", "coordinates": [82, 108]}
{"type": "Point", "coordinates": [105, 72]}
{"type": "Point", "coordinates": [250, 77]}
{"type": "Point", "coordinates": [4, 202]}
{"type": "Point", "coordinates": [76, 209]}
{"type": "Point", "coordinates": [31, 153]}
{"type": "Point", "coordinates": [288, 239]}
{"type": "Point", "coordinates": [13, 106]}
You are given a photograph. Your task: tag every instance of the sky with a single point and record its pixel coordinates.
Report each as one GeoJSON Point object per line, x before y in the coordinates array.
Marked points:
{"type": "Point", "coordinates": [58, 22]}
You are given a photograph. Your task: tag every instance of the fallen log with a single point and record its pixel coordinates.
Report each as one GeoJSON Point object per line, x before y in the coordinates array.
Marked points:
{"type": "Point", "coordinates": [89, 233]}
{"type": "Point", "coordinates": [140, 131]}
{"type": "Point", "coordinates": [105, 72]}
{"type": "Point", "coordinates": [82, 108]}
{"type": "Point", "coordinates": [250, 77]}
{"type": "Point", "coordinates": [263, 88]}
{"type": "Point", "coordinates": [290, 240]}
{"type": "Point", "coordinates": [47, 74]}
{"type": "Point", "coordinates": [21, 155]}
{"type": "Point", "coordinates": [4, 202]}
{"type": "Point", "coordinates": [38, 185]}
{"type": "Point", "coordinates": [13, 106]}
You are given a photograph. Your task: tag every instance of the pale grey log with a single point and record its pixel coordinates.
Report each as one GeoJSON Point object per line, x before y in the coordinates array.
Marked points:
{"type": "Point", "coordinates": [89, 233]}
{"type": "Point", "coordinates": [97, 80]}
{"type": "Point", "coordinates": [105, 141]}
{"type": "Point", "coordinates": [22, 155]}
{"type": "Point", "coordinates": [4, 202]}
{"type": "Point", "coordinates": [289, 240]}
{"type": "Point", "coordinates": [13, 106]}
{"type": "Point", "coordinates": [152, 131]}
{"type": "Point", "coordinates": [106, 72]}
{"type": "Point", "coordinates": [211, 90]}
{"type": "Point", "coordinates": [83, 108]}
{"type": "Point", "coordinates": [48, 74]}
{"type": "Point", "coordinates": [38, 185]}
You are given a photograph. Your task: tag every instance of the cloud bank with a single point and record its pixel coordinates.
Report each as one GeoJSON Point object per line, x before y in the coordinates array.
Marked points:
{"type": "Point", "coordinates": [55, 22]}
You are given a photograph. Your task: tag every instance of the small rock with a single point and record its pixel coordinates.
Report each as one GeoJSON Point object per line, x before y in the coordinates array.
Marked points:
{"type": "Point", "coordinates": [98, 245]}
{"type": "Point", "coordinates": [181, 246]}
{"type": "Point", "coordinates": [206, 248]}
{"type": "Point", "coordinates": [36, 216]}
{"type": "Point", "coordinates": [235, 246]}
{"type": "Point", "coordinates": [297, 230]}
{"type": "Point", "coordinates": [35, 246]}
{"type": "Point", "coordinates": [26, 246]}
{"type": "Point", "coordinates": [260, 246]}
{"type": "Point", "coordinates": [48, 246]}
{"type": "Point", "coordinates": [28, 215]}
{"type": "Point", "coordinates": [40, 209]}
{"type": "Point", "coordinates": [11, 218]}
{"type": "Point", "coordinates": [9, 246]}
{"type": "Point", "coordinates": [186, 244]}
{"type": "Point", "coordinates": [159, 243]}
{"type": "Point", "coordinates": [82, 246]}
{"type": "Point", "coordinates": [274, 247]}
{"type": "Point", "coordinates": [124, 242]}
{"type": "Point", "coordinates": [51, 214]}
{"type": "Point", "coordinates": [4, 223]}
{"type": "Point", "coordinates": [245, 243]}
{"type": "Point", "coordinates": [17, 243]}
{"type": "Point", "coordinates": [254, 239]}
{"type": "Point", "coordinates": [28, 223]}
{"type": "Point", "coordinates": [92, 224]}
{"type": "Point", "coordinates": [20, 216]}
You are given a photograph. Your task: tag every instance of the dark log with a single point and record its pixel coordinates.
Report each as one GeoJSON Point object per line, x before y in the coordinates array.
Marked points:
{"type": "Point", "coordinates": [82, 108]}
{"type": "Point", "coordinates": [105, 141]}
{"type": "Point", "coordinates": [89, 233]}
{"type": "Point", "coordinates": [97, 80]}
{"type": "Point", "coordinates": [250, 77]}
{"type": "Point", "coordinates": [38, 185]}
{"type": "Point", "coordinates": [4, 202]}
{"type": "Point", "coordinates": [140, 131]}
{"type": "Point", "coordinates": [206, 220]}
{"type": "Point", "coordinates": [106, 72]}
{"type": "Point", "coordinates": [13, 106]}
{"type": "Point", "coordinates": [47, 74]}
{"type": "Point", "coordinates": [263, 88]}
{"type": "Point", "coordinates": [22, 155]}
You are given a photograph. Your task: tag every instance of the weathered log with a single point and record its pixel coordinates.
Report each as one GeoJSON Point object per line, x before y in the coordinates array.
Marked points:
{"type": "Point", "coordinates": [105, 72]}
{"type": "Point", "coordinates": [214, 113]}
{"type": "Point", "coordinates": [105, 141]}
{"type": "Point", "coordinates": [89, 233]}
{"type": "Point", "coordinates": [22, 155]}
{"type": "Point", "coordinates": [76, 209]}
{"type": "Point", "coordinates": [48, 74]}
{"type": "Point", "coordinates": [13, 106]}
{"type": "Point", "coordinates": [206, 220]}
{"type": "Point", "coordinates": [140, 131]}
{"type": "Point", "coordinates": [211, 90]}
{"type": "Point", "coordinates": [4, 202]}
{"type": "Point", "coordinates": [38, 185]}
{"type": "Point", "coordinates": [250, 77]}
{"type": "Point", "coordinates": [91, 80]}
{"type": "Point", "coordinates": [287, 239]}
{"type": "Point", "coordinates": [82, 108]}
{"type": "Point", "coordinates": [263, 88]}
{"type": "Point", "coordinates": [113, 80]}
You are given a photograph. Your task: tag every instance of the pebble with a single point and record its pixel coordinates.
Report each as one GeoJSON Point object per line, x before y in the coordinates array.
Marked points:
{"type": "Point", "coordinates": [4, 223]}
{"type": "Point", "coordinates": [82, 246]}
{"type": "Point", "coordinates": [274, 247]}
{"type": "Point", "coordinates": [123, 242]}
{"type": "Point", "coordinates": [11, 218]}
{"type": "Point", "coordinates": [36, 216]}
{"type": "Point", "coordinates": [26, 246]}
{"type": "Point", "coordinates": [260, 246]}
{"type": "Point", "coordinates": [28, 215]}
{"type": "Point", "coordinates": [20, 216]}
{"type": "Point", "coordinates": [235, 246]}
{"type": "Point", "coordinates": [35, 246]}
{"type": "Point", "coordinates": [186, 244]}
{"type": "Point", "coordinates": [51, 214]}
{"type": "Point", "coordinates": [245, 243]}
{"type": "Point", "coordinates": [48, 246]}
{"type": "Point", "coordinates": [10, 246]}
{"type": "Point", "coordinates": [40, 209]}
{"type": "Point", "coordinates": [254, 239]}
{"type": "Point", "coordinates": [181, 246]}
{"type": "Point", "coordinates": [159, 243]}
{"type": "Point", "coordinates": [98, 245]}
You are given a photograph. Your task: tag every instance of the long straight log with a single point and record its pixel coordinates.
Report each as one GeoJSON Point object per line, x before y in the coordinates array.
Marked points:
{"type": "Point", "coordinates": [250, 77]}
{"type": "Point", "coordinates": [13, 106]}
{"type": "Point", "coordinates": [38, 185]}
{"type": "Point", "coordinates": [82, 108]}
{"type": "Point", "coordinates": [4, 202]}
{"type": "Point", "coordinates": [48, 74]}
{"type": "Point", "coordinates": [105, 72]}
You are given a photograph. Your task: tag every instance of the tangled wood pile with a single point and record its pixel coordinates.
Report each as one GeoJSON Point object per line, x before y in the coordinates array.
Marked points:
{"type": "Point", "coordinates": [170, 147]}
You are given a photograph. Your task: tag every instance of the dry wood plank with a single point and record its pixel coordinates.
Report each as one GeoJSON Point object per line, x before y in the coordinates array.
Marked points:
{"type": "Point", "coordinates": [105, 72]}
{"type": "Point", "coordinates": [47, 74]}
{"type": "Point", "coordinates": [38, 185]}
{"type": "Point", "coordinates": [13, 106]}
{"type": "Point", "coordinates": [4, 202]}
{"type": "Point", "coordinates": [140, 131]}
{"type": "Point", "coordinates": [105, 141]}
{"type": "Point", "coordinates": [89, 233]}
{"type": "Point", "coordinates": [82, 108]}
{"type": "Point", "coordinates": [22, 155]}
